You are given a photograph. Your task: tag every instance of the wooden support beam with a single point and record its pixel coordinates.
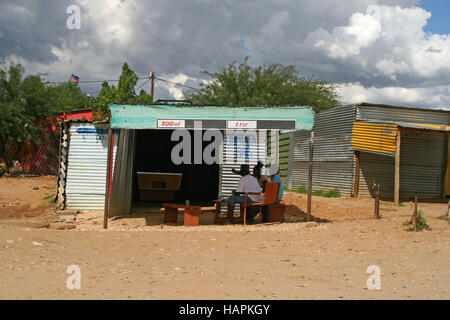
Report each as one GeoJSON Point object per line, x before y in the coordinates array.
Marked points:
{"type": "Point", "coordinates": [356, 183]}
{"type": "Point", "coordinates": [311, 149]}
{"type": "Point", "coordinates": [108, 176]}
{"type": "Point", "coordinates": [397, 169]}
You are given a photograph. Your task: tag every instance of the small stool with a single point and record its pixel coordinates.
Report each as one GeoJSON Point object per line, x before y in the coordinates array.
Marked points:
{"type": "Point", "coordinates": [276, 212]}
{"type": "Point", "coordinates": [191, 214]}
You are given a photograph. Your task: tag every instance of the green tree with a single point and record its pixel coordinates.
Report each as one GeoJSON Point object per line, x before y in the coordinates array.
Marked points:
{"type": "Point", "coordinates": [26, 106]}
{"type": "Point", "coordinates": [274, 85]}
{"type": "Point", "coordinates": [125, 92]}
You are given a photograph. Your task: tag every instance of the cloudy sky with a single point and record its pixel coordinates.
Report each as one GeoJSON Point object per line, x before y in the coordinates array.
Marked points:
{"type": "Point", "coordinates": [386, 51]}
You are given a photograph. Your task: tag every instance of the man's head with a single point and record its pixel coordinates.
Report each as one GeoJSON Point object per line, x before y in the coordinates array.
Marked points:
{"type": "Point", "coordinates": [274, 169]}
{"type": "Point", "coordinates": [257, 169]}
{"type": "Point", "coordinates": [245, 169]}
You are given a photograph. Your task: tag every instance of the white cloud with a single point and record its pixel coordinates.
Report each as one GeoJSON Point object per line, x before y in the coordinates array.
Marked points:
{"type": "Point", "coordinates": [389, 42]}
{"type": "Point", "coordinates": [423, 97]}
{"type": "Point", "coordinates": [347, 41]}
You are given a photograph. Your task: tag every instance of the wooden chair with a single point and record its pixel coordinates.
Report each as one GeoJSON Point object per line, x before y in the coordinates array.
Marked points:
{"type": "Point", "coordinates": [270, 197]}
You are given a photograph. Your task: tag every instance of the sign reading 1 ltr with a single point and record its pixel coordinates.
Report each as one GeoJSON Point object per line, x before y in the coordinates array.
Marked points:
{"type": "Point", "coordinates": [241, 124]}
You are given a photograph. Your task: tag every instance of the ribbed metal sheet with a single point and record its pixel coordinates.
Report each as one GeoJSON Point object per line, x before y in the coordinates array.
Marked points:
{"type": "Point", "coordinates": [283, 151]}
{"type": "Point", "coordinates": [424, 126]}
{"type": "Point", "coordinates": [393, 114]}
{"type": "Point", "coordinates": [422, 168]}
{"type": "Point", "coordinates": [87, 163]}
{"type": "Point", "coordinates": [332, 155]}
{"type": "Point", "coordinates": [239, 152]}
{"type": "Point", "coordinates": [378, 169]}
{"type": "Point", "coordinates": [422, 165]}
{"type": "Point", "coordinates": [375, 137]}
{"type": "Point", "coordinates": [283, 155]}
{"type": "Point", "coordinates": [326, 175]}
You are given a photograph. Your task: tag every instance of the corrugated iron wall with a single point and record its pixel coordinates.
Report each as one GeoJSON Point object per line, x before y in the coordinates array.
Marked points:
{"type": "Point", "coordinates": [86, 169]}
{"type": "Point", "coordinates": [332, 156]}
{"type": "Point", "coordinates": [378, 169]}
{"type": "Point", "coordinates": [386, 113]}
{"type": "Point", "coordinates": [283, 152]}
{"type": "Point", "coordinates": [375, 137]}
{"type": "Point", "coordinates": [283, 155]}
{"type": "Point", "coordinates": [238, 150]}
{"type": "Point", "coordinates": [422, 165]}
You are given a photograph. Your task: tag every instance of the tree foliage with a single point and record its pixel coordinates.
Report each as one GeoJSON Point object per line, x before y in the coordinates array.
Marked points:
{"type": "Point", "coordinates": [125, 92]}
{"type": "Point", "coordinates": [275, 85]}
{"type": "Point", "coordinates": [27, 104]}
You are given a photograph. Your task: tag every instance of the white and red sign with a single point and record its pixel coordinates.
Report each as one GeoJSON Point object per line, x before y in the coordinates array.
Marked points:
{"type": "Point", "coordinates": [168, 123]}
{"type": "Point", "coordinates": [241, 124]}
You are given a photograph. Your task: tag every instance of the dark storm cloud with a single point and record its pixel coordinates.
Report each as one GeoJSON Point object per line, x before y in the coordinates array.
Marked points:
{"type": "Point", "coordinates": [29, 29]}
{"type": "Point", "coordinates": [189, 36]}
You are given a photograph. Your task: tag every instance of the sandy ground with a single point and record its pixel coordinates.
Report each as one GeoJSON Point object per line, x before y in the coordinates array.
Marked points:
{"type": "Point", "coordinates": [140, 258]}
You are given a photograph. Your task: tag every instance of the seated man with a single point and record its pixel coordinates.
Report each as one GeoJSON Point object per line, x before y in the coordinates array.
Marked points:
{"type": "Point", "coordinates": [248, 183]}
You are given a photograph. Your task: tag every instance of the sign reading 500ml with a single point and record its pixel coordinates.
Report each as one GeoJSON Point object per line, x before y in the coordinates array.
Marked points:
{"type": "Point", "coordinates": [168, 123]}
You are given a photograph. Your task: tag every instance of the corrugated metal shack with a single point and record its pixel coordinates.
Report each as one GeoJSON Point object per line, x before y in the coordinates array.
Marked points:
{"type": "Point", "coordinates": [82, 167]}
{"type": "Point", "coordinates": [244, 131]}
{"type": "Point", "coordinates": [99, 163]}
{"type": "Point", "coordinates": [404, 150]}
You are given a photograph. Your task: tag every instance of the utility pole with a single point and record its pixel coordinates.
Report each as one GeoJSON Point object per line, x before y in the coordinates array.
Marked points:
{"type": "Point", "coordinates": [152, 89]}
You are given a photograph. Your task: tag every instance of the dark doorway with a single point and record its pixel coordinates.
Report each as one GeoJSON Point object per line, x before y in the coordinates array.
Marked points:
{"type": "Point", "coordinates": [153, 154]}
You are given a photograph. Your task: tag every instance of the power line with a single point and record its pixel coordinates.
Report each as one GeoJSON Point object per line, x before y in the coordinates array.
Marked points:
{"type": "Point", "coordinates": [94, 81]}
{"type": "Point", "coordinates": [177, 84]}
{"type": "Point", "coordinates": [142, 84]}
{"type": "Point", "coordinates": [112, 80]}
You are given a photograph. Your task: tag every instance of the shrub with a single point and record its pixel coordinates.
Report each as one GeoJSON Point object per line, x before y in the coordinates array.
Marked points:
{"type": "Point", "coordinates": [319, 193]}
{"type": "Point", "coordinates": [302, 189]}
{"type": "Point", "coordinates": [421, 223]}
{"type": "Point", "coordinates": [333, 193]}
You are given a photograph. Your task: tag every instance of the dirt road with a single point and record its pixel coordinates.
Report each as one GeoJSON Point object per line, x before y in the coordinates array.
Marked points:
{"type": "Point", "coordinates": [295, 260]}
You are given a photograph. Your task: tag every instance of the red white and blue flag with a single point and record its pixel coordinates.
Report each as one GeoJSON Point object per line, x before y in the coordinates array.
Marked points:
{"type": "Point", "coordinates": [74, 79]}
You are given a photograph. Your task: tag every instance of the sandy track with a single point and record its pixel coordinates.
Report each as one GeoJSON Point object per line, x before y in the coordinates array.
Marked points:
{"type": "Point", "coordinates": [287, 261]}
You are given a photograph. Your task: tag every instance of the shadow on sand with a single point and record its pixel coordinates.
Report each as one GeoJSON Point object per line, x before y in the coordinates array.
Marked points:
{"type": "Point", "coordinates": [154, 213]}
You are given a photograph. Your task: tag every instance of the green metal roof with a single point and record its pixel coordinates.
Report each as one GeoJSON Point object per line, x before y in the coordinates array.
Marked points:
{"type": "Point", "coordinates": [146, 116]}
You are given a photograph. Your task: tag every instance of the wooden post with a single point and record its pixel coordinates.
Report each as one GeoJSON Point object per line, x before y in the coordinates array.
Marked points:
{"type": "Point", "coordinates": [376, 212]}
{"type": "Point", "coordinates": [397, 169]}
{"type": "Point", "coordinates": [311, 149]}
{"type": "Point", "coordinates": [446, 176]}
{"type": "Point", "coordinates": [108, 176]}
{"type": "Point", "coordinates": [415, 213]}
{"type": "Point", "coordinates": [356, 183]}
{"type": "Point", "coordinates": [152, 89]}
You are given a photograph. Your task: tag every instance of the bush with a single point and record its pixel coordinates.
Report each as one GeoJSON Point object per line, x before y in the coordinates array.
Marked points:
{"type": "Point", "coordinates": [302, 189]}
{"type": "Point", "coordinates": [319, 193]}
{"type": "Point", "coordinates": [333, 193]}
{"type": "Point", "coordinates": [421, 223]}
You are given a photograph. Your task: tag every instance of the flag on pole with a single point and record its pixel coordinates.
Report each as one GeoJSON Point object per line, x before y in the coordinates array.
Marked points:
{"type": "Point", "coordinates": [74, 79]}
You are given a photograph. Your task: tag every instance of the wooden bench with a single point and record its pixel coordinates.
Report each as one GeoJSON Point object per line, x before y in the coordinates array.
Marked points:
{"type": "Point", "coordinates": [191, 213]}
